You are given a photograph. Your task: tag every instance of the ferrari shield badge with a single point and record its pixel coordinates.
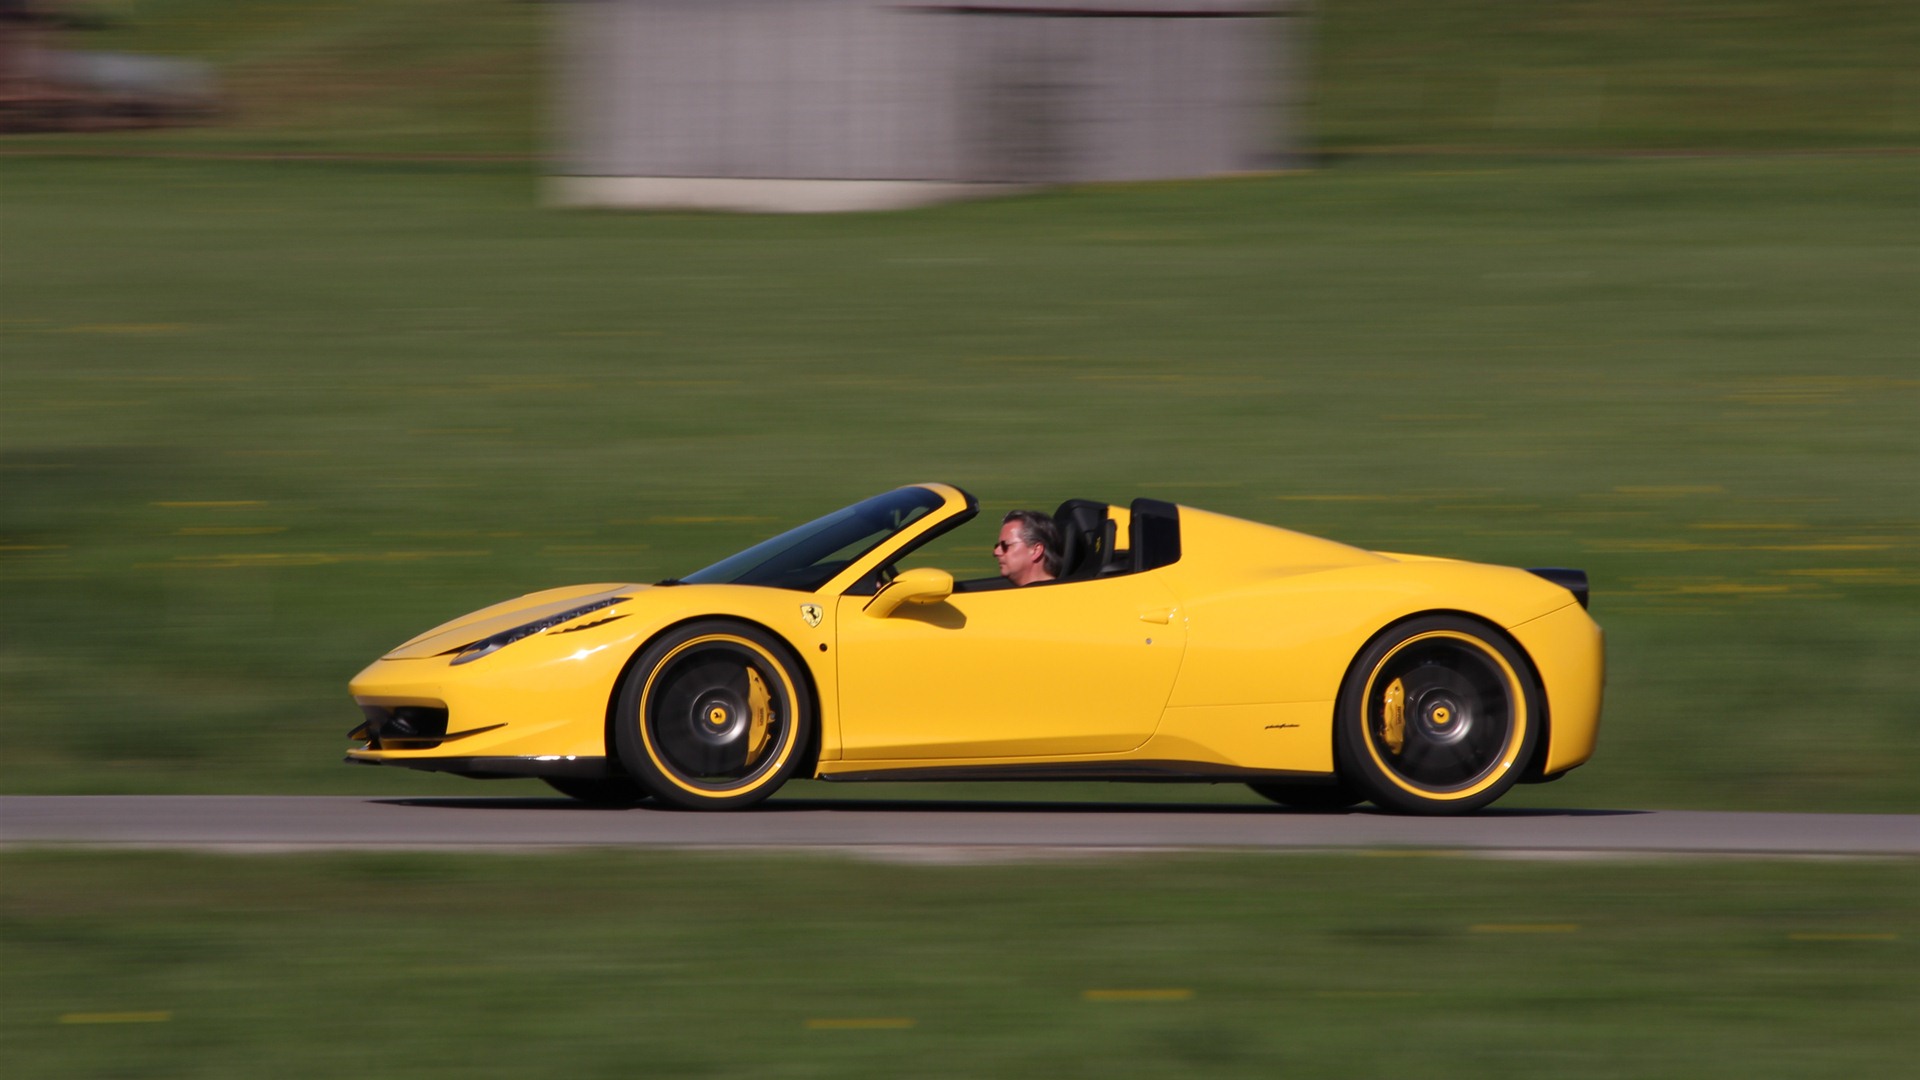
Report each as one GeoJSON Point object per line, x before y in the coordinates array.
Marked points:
{"type": "Point", "coordinates": [811, 613]}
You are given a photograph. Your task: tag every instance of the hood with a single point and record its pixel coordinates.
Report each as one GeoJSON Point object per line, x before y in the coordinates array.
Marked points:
{"type": "Point", "coordinates": [488, 621]}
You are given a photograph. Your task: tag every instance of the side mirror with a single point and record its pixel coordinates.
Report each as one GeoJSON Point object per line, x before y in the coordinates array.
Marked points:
{"type": "Point", "coordinates": [924, 585]}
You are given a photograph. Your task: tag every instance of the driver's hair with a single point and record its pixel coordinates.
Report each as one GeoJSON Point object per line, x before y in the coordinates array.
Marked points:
{"type": "Point", "coordinates": [1038, 530]}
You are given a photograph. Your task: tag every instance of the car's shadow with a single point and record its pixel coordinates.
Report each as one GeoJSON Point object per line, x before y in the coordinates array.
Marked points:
{"type": "Point", "coordinates": [963, 806]}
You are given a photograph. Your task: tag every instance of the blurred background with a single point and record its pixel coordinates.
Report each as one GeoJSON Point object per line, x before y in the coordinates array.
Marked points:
{"type": "Point", "coordinates": [299, 355]}
{"type": "Point", "coordinates": [306, 368]}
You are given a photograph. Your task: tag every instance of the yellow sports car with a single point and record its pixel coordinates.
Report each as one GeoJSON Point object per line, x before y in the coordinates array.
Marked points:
{"type": "Point", "coordinates": [1174, 644]}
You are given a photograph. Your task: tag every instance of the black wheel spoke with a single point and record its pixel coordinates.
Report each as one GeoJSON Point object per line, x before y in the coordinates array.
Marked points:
{"type": "Point", "coordinates": [1412, 753]}
{"type": "Point", "coordinates": [701, 715]}
{"type": "Point", "coordinates": [1452, 760]}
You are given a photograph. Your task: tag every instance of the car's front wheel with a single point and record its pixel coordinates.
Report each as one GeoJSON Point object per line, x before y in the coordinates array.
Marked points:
{"type": "Point", "coordinates": [1438, 715]}
{"type": "Point", "coordinates": [713, 715]}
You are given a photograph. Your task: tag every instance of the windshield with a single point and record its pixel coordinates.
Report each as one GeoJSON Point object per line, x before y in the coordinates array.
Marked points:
{"type": "Point", "coordinates": [809, 556]}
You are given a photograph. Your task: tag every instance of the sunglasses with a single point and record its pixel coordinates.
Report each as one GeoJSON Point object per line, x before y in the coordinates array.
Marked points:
{"type": "Point", "coordinates": [1003, 545]}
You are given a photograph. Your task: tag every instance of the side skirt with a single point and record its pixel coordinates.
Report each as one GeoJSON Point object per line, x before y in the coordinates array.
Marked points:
{"type": "Point", "coordinates": [1172, 772]}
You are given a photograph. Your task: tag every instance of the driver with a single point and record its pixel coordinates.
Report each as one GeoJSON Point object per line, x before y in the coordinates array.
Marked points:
{"type": "Point", "coordinates": [1029, 548]}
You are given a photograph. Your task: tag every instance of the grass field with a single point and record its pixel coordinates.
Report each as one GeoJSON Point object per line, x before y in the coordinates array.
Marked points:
{"type": "Point", "coordinates": [262, 420]}
{"type": "Point", "coordinates": [467, 76]}
{"type": "Point", "coordinates": [617, 965]}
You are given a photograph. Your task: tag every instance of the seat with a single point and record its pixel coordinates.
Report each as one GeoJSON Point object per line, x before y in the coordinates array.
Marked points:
{"type": "Point", "coordinates": [1086, 538]}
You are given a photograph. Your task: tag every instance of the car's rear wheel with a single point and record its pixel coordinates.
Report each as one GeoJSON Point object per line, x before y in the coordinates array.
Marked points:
{"type": "Point", "coordinates": [599, 790]}
{"type": "Point", "coordinates": [1334, 796]}
{"type": "Point", "coordinates": [713, 715]}
{"type": "Point", "coordinates": [1438, 716]}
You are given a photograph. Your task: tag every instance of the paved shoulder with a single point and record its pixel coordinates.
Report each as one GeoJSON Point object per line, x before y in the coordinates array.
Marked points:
{"type": "Point", "coordinates": [275, 823]}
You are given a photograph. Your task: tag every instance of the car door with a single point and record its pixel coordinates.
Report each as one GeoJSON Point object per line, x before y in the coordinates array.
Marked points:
{"type": "Point", "coordinates": [1073, 668]}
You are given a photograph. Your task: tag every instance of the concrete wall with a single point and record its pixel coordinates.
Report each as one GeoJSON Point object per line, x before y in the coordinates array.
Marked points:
{"type": "Point", "coordinates": [847, 104]}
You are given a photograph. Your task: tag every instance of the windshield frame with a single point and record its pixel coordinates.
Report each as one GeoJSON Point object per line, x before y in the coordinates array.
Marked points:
{"type": "Point", "coordinates": [765, 564]}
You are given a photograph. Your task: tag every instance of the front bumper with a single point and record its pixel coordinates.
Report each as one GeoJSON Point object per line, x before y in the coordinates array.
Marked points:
{"type": "Point", "coordinates": [535, 708]}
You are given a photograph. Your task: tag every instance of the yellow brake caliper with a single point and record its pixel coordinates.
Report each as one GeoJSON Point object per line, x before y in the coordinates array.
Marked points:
{"type": "Point", "coordinates": [760, 710]}
{"type": "Point", "coordinates": [1394, 717]}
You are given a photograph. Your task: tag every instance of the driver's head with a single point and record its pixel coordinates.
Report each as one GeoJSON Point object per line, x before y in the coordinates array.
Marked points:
{"type": "Point", "coordinates": [1029, 548]}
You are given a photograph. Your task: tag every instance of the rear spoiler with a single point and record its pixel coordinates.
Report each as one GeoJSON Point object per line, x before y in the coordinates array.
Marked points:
{"type": "Point", "coordinates": [1574, 581]}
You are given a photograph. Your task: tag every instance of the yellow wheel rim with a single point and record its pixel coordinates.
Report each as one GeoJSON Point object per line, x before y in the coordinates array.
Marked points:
{"type": "Point", "coordinates": [1444, 715]}
{"type": "Point", "coordinates": [725, 731]}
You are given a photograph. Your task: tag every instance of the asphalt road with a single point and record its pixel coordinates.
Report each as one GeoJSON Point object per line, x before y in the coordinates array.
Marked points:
{"type": "Point", "coordinates": [912, 829]}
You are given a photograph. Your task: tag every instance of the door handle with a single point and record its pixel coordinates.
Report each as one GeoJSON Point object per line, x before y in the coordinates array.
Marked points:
{"type": "Point", "coordinates": [1163, 616]}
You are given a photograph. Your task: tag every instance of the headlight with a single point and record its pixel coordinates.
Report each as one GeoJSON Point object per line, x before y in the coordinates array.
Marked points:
{"type": "Point", "coordinates": [476, 650]}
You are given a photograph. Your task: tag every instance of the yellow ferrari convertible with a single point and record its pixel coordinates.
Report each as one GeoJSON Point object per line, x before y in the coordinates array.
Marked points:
{"type": "Point", "coordinates": [1174, 644]}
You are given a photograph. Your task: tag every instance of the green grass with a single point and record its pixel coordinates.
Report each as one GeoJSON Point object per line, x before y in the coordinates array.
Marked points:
{"type": "Point", "coordinates": [1595, 75]}
{"type": "Point", "coordinates": [261, 421]}
{"type": "Point", "coordinates": [469, 76]}
{"type": "Point", "coordinates": [609, 964]}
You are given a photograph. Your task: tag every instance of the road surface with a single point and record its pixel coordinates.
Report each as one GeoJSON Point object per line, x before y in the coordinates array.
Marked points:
{"type": "Point", "coordinates": [914, 829]}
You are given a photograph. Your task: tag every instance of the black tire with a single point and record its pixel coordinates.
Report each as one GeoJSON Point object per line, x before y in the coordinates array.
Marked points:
{"type": "Point", "coordinates": [1334, 796]}
{"type": "Point", "coordinates": [1439, 715]}
{"type": "Point", "coordinates": [599, 790]}
{"type": "Point", "coordinates": [713, 715]}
